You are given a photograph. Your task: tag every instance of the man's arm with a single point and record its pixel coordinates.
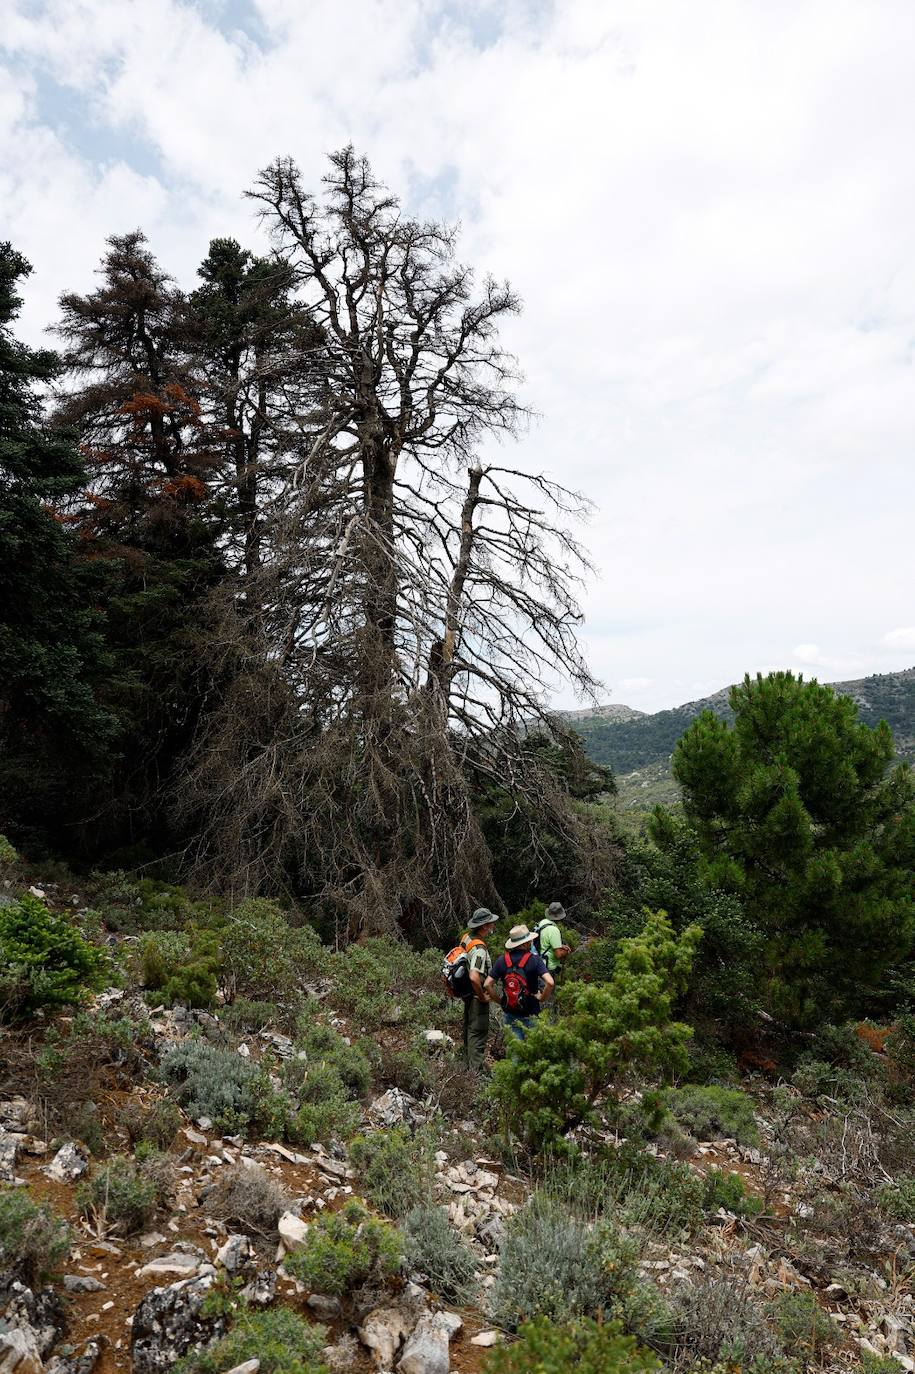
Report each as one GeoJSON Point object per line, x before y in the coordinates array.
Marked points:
{"type": "Point", "coordinates": [487, 989]}
{"type": "Point", "coordinates": [548, 984]}
{"type": "Point", "coordinates": [476, 982]}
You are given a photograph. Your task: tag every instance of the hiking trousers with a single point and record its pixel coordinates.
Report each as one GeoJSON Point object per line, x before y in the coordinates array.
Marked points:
{"type": "Point", "coordinates": [476, 1032]}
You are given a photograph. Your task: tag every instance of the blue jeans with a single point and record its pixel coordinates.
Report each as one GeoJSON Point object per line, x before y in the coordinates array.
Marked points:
{"type": "Point", "coordinates": [517, 1025]}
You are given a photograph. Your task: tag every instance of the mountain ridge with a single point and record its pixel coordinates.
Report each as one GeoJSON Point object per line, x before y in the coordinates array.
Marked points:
{"type": "Point", "coordinates": [637, 745]}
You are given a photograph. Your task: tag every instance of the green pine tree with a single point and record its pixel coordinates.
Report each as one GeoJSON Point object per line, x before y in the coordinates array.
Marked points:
{"type": "Point", "coordinates": [56, 740]}
{"type": "Point", "coordinates": [798, 809]}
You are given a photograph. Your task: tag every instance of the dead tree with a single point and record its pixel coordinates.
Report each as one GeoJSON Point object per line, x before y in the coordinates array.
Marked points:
{"type": "Point", "coordinates": [423, 596]}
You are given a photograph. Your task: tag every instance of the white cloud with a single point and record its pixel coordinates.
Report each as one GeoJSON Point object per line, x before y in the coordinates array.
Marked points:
{"type": "Point", "coordinates": [900, 639]}
{"type": "Point", "coordinates": [707, 209]}
{"type": "Point", "coordinates": [813, 656]}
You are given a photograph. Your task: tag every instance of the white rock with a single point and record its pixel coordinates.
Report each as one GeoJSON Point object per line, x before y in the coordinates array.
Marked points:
{"type": "Point", "coordinates": [195, 1137]}
{"type": "Point", "coordinates": [426, 1351]}
{"type": "Point", "coordinates": [249, 1367]}
{"type": "Point", "coordinates": [38, 892]}
{"type": "Point", "coordinates": [486, 1338]}
{"type": "Point", "coordinates": [382, 1332]}
{"type": "Point", "coordinates": [292, 1229]}
{"type": "Point", "coordinates": [244, 1051]}
{"type": "Point", "coordinates": [20, 1352]}
{"type": "Point", "coordinates": [181, 1265]}
{"type": "Point", "coordinates": [235, 1253]}
{"type": "Point", "coordinates": [68, 1164]}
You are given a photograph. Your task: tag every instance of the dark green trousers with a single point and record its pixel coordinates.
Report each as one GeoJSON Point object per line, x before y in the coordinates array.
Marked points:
{"type": "Point", "coordinates": [476, 1032]}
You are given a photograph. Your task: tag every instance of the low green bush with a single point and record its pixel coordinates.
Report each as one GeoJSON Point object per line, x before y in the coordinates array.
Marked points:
{"type": "Point", "coordinates": [345, 1250]}
{"type": "Point", "coordinates": [8, 854]}
{"type": "Point", "coordinates": [585, 1346]}
{"type": "Point", "coordinates": [711, 1064]}
{"type": "Point", "coordinates": [395, 1169]}
{"type": "Point", "coordinates": [710, 1112]}
{"type": "Point", "coordinates": [384, 982]}
{"type": "Point", "coordinates": [131, 905]}
{"type": "Point", "coordinates": [554, 1265]}
{"type": "Point", "coordinates": [606, 1032]}
{"type": "Point", "coordinates": [717, 1320]}
{"type": "Point", "coordinates": [326, 1046]}
{"type": "Point", "coordinates": [319, 1108]}
{"type": "Point", "coordinates": [122, 1195]}
{"type": "Point", "coordinates": [33, 1239]}
{"type": "Point", "coordinates": [728, 1190]}
{"type": "Point", "coordinates": [278, 1338]}
{"type": "Point", "coordinates": [265, 957]}
{"type": "Point", "coordinates": [180, 966]}
{"type": "Point", "coordinates": [896, 1200]}
{"type": "Point", "coordinates": [44, 960]}
{"type": "Point", "coordinates": [208, 1081]}
{"type": "Point", "coordinates": [247, 1016]}
{"type": "Point", "coordinates": [805, 1330]}
{"type": "Point", "coordinates": [442, 1254]}
{"type": "Point", "coordinates": [817, 1079]}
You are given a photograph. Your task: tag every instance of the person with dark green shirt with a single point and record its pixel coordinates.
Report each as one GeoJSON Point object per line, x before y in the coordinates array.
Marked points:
{"type": "Point", "coordinates": [476, 1005]}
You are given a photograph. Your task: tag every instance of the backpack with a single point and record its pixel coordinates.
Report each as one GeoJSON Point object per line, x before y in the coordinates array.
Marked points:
{"type": "Point", "coordinates": [539, 928]}
{"type": "Point", "coordinates": [514, 985]}
{"type": "Point", "coordinates": [456, 967]}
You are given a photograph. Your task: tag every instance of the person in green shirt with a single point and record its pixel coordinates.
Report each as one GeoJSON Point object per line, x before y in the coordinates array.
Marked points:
{"type": "Point", "coordinates": [552, 947]}
{"type": "Point", "coordinates": [476, 1006]}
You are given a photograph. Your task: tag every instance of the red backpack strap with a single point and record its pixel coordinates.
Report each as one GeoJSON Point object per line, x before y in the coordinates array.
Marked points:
{"type": "Point", "coordinates": [524, 958]}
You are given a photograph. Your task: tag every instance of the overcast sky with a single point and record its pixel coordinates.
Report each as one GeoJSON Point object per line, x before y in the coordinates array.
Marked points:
{"type": "Point", "coordinates": [708, 208]}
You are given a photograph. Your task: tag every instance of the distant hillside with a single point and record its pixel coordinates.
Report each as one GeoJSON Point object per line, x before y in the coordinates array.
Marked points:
{"type": "Point", "coordinates": [638, 746]}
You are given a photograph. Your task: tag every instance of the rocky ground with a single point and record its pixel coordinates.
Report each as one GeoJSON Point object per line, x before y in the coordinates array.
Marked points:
{"type": "Point", "coordinates": [139, 1301]}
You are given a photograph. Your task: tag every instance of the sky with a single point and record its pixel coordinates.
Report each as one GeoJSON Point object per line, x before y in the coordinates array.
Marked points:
{"type": "Point", "coordinates": [708, 210]}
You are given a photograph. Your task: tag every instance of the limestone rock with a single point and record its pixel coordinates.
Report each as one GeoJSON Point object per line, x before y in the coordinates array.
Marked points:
{"type": "Point", "coordinates": [19, 1352]}
{"type": "Point", "coordinates": [82, 1363]}
{"type": "Point", "coordinates": [180, 1265]}
{"type": "Point", "coordinates": [235, 1254]}
{"type": "Point", "coordinates": [396, 1107]}
{"type": "Point", "coordinates": [9, 1150]}
{"type": "Point", "coordinates": [82, 1283]}
{"type": "Point", "coordinates": [382, 1332]}
{"type": "Point", "coordinates": [68, 1164]}
{"type": "Point", "coordinates": [292, 1229]}
{"type": "Point", "coordinates": [426, 1351]}
{"type": "Point", "coordinates": [247, 1367]}
{"type": "Point", "coordinates": [168, 1323]}
{"type": "Point", "coordinates": [486, 1338]}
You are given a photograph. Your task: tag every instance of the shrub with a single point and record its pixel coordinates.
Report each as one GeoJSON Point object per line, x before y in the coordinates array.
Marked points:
{"type": "Point", "coordinates": [442, 1254]}
{"type": "Point", "coordinates": [44, 961]}
{"type": "Point", "coordinates": [551, 1080]}
{"type": "Point", "coordinates": [710, 1112]}
{"type": "Point", "coordinates": [281, 1340]}
{"type": "Point", "coordinates": [264, 956]}
{"type": "Point", "coordinates": [896, 1200]}
{"type": "Point", "coordinates": [553, 1265]}
{"type": "Point", "coordinates": [816, 1079]}
{"type": "Point", "coordinates": [326, 1046]}
{"type": "Point", "coordinates": [727, 1190]}
{"type": "Point", "coordinates": [635, 1187]}
{"type": "Point", "coordinates": [408, 1067]}
{"type": "Point", "coordinates": [180, 966]}
{"type": "Point", "coordinates": [246, 1015]}
{"type": "Point", "coordinates": [344, 1250]}
{"type": "Point", "coordinates": [320, 1108]}
{"type": "Point", "coordinates": [247, 1198]}
{"type": "Point", "coordinates": [156, 1125]}
{"type": "Point", "coordinates": [715, 1319]}
{"type": "Point", "coordinates": [8, 854]}
{"type": "Point", "coordinates": [804, 1328]}
{"type": "Point", "coordinates": [213, 1082]}
{"type": "Point", "coordinates": [123, 1196]}
{"type": "Point", "coordinates": [384, 982]}
{"type": "Point", "coordinates": [583, 1346]}
{"type": "Point", "coordinates": [900, 1045]}
{"type": "Point", "coordinates": [710, 1063]}
{"type": "Point", "coordinates": [395, 1169]}
{"type": "Point", "coordinates": [33, 1240]}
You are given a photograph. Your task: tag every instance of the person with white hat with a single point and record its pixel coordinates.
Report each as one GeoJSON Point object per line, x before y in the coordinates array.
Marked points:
{"type": "Point", "coordinates": [526, 982]}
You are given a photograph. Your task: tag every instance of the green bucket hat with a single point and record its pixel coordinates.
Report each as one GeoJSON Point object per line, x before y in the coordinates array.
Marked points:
{"type": "Point", "coordinates": [481, 917]}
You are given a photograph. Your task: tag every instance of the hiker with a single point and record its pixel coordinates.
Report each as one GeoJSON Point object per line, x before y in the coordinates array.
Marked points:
{"type": "Point", "coordinates": [526, 981]}
{"type": "Point", "coordinates": [549, 944]}
{"type": "Point", "coordinates": [472, 967]}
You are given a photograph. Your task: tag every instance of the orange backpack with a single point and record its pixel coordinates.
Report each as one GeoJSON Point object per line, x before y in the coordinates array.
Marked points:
{"type": "Point", "coordinates": [456, 967]}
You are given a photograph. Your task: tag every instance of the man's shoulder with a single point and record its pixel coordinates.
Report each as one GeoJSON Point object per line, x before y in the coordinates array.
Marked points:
{"type": "Point", "coordinates": [499, 964]}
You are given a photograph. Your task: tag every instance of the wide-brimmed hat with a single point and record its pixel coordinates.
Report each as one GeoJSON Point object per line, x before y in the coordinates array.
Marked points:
{"type": "Point", "coordinates": [481, 917]}
{"type": "Point", "coordinates": [517, 936]}
{"type": "Point", "coordinates": [555, 910]}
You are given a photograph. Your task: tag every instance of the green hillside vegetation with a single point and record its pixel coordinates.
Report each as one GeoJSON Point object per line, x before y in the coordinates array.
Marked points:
{"type": "Point", "coordinates": [638, 747]}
